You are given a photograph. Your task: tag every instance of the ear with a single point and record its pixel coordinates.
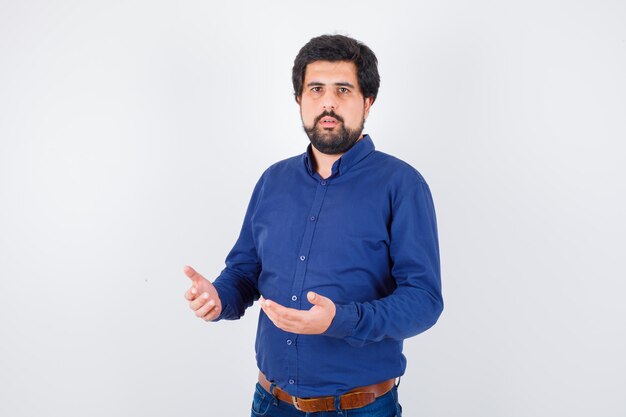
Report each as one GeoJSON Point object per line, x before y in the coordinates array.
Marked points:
{"type": "Point", "coordinates": [299, 100]}
{"type": "Point", "coordinates": [367, 104]}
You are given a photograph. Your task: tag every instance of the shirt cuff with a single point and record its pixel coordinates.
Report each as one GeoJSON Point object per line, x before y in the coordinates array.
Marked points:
{"type": "Point", "coordinates": [227, 302]}
{"type": "Point", "coordinates": [344, 322]}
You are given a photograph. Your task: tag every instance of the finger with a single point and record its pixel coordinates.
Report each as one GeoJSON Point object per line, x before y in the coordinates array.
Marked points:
{"type": "Point", "coordinates": [191, 294]}
{"type": "Point", "coordinates": [283, 317]}
{"type": "Point", "coordinates": [191, 273]}
{"type": "Point", "coordinates": [314, 298]}
{"type": "Point", "coordinates": [199, 301]}
{"type": "Point", "coordinates": [265, 306]}
{"type": "Point", "coordinates": [285, 313]}
{"type": "Point", "coordinates": [213, 314]}
{"type": "Point", "coordinates": [277, 321]}
{"type": "Point", "coordinates": [317, 299]}
{"type": "Point", "coordinates": [206, 308]}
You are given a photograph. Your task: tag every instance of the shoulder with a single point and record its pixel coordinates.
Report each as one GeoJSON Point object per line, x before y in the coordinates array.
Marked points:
{"type": "Point", "coordinates": [285, 166]}
{"type": "Point", "coordinates": [398, 171]}
{"type": "Point", "coordinates": [281, 168]}
{"type": "Point", "coordinates": [404, 183]}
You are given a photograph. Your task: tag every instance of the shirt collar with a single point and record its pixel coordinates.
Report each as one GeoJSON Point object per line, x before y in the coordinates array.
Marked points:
{"type": "Point", "coordinates": [354, 155]}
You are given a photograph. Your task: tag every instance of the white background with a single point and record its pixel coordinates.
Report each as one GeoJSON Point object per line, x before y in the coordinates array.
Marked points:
{"type": "Point", "coordinates": [132, 134]}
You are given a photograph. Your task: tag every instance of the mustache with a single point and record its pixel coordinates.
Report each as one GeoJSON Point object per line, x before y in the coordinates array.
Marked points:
{"type": "Point", "coordinates": [329, 114]}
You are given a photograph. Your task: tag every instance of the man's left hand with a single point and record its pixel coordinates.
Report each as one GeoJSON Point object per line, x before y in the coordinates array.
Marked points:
{"type": "Point", "coordinates": [313, 321]}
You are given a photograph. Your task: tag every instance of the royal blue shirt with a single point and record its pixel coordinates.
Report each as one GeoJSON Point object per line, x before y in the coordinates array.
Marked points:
{"type": "Point", "coordinates": [365, 237]}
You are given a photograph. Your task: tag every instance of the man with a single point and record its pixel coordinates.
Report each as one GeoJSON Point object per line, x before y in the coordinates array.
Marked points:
{"type": "Point", "coordinates": [340, 245]}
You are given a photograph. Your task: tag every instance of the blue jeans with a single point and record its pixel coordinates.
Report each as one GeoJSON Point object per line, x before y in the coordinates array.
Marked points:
{"type": "Point", "coordinates": [265, 404]}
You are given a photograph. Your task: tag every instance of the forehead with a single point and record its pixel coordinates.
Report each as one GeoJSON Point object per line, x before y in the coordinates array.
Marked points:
{"type": "Point", "coordinates": [328, 72]}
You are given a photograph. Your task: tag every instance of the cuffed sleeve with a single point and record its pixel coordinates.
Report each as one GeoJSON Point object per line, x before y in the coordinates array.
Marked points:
{"type": "Point", "coordinates": [237, 284]}
{"type": "Point", "coordinates": [416, 303]}
{"type": "Point", "coordinates": [344, 322]}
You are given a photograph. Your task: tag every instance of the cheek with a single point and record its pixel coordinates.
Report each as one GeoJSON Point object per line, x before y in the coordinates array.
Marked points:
{"type": "Point", "coordinates": [308, 115]}
{"type": "Point", "coordinates": [355, 116]}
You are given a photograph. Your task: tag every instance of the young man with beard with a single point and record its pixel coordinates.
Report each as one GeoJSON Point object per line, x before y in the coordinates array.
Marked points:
{"type": "Point", "coordinates": [340, 246]}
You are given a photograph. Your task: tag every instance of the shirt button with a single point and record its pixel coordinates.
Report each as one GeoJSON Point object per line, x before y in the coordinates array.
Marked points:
{"type": "Point", "coordinates": [289, 342]}
{"type": "Point", "coordinates": [291, 381]}
{"type": "Point", "coordinates": [323, 182]}
{"type": "Point", "coordinates": [312, 218]}
{"type": "Point", "coordinates": [302, 257]}
{"type": "Point", "coordinates": [294, 298]}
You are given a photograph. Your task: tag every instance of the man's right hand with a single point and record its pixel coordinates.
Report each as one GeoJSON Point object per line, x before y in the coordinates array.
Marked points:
{"type": "Point", "coordinates": [202, 296]}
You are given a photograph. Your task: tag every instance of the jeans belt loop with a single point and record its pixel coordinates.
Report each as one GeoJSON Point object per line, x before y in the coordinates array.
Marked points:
{"type": "Point", "coordinates": [294, 400]}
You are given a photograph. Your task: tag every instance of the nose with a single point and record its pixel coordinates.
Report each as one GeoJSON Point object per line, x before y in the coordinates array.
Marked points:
{"type": "Point", "coordinates": [329, 101]}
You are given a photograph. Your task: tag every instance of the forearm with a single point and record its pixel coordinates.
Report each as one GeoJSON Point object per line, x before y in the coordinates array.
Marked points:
{"type": "Point", "coordinates": [403, 314]}
{"type": "Point", "coordinates": [236, 291]}
{"type": "Point", "coordinates": [416, 303]}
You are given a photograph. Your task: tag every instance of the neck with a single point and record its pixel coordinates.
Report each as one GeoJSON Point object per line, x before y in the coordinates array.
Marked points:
{"type": "Point", "coordinates": [323, 163]}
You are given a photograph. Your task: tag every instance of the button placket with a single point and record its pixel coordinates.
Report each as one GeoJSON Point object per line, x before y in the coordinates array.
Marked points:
{"type": "Point", "coordinates": [307, 239]}
{"type": "Point", "coordinates": [300, 274]}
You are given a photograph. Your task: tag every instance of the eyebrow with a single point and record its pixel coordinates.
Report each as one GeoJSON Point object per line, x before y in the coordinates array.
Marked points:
{"type": "Point", "coordinates": [339, 84]}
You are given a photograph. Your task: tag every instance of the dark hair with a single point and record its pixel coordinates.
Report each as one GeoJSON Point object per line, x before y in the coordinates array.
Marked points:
{"type": "Point", "coordinates": [338, 48]}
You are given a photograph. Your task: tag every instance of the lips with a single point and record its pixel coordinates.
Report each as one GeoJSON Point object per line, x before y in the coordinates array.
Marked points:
{"type": "Point", "coordinates": [328, 121]}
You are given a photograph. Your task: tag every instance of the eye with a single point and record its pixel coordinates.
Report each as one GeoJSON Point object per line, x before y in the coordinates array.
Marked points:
{"type": "Point", "coordinates": [343, 90]}
{"type": "Point", "coordinates": [316, 89]}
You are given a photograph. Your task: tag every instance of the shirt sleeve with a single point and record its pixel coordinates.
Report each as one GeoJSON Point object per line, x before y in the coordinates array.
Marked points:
{"type": "Point", "coordinates": [237, 284]}
{"type": "Point", "coordinates": [416, 303]}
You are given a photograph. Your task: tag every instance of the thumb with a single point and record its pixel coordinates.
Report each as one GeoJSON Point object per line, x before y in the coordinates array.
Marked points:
{"type": "Point", "coordinates": [318, 300]}
{"type": "Point", "coordinates": [191, 273]}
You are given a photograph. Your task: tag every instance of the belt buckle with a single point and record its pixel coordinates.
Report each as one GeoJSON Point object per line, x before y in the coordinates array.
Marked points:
{"type": "Point", "coordinates": [294, 401]}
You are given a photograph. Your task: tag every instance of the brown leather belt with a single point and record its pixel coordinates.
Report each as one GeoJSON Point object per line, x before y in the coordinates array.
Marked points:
{"type": "Point", "coordinates": [355, 398]}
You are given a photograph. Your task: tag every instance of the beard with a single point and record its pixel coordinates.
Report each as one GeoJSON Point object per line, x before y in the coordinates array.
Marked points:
{"type": "Point", "coordinates": [332, 141]}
